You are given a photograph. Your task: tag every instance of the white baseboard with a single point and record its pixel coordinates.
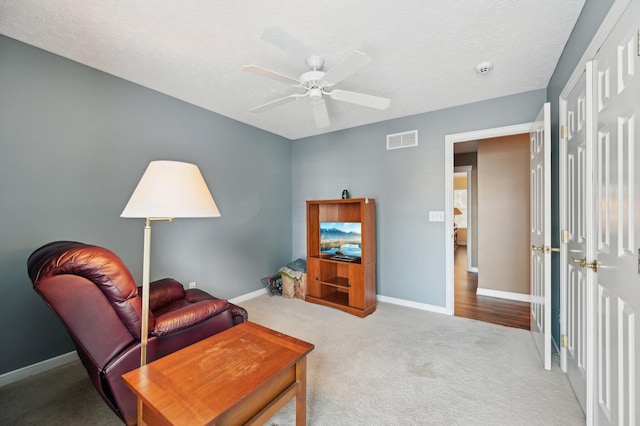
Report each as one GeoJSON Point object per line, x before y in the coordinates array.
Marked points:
{"type": "Point", "coordinates": [473, 269]}
{"type": "Point", "coordinates": [37, 368]}
{"type": "Point", "coordinates": [387, 299]}
{"type": "Point", "coordinates": [411, 304]}
{"type": "Point", "coordinates": [504, 294]}
{"type": "Point", "coordinates": [248, 296]}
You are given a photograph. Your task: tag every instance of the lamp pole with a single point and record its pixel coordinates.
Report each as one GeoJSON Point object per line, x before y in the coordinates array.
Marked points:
{"type": "Point", "coordinates": [146, 260]}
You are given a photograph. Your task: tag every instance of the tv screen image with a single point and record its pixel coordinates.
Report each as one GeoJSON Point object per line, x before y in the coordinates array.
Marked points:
{"type": "Point", "coordinates": [341, 239]}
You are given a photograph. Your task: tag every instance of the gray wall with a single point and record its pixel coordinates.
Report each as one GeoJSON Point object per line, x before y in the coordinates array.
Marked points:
{"type": "Point", "coordinates": [590, 19]}
{"type": "Point", "coordinates": [73, 144]}
{"type": "Point", "coordinates": [75, 141]}
{"type": "Point", "coordinates": [406, 183]}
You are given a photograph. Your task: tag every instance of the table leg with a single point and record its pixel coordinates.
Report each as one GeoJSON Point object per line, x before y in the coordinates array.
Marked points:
{"type": "Point", "coordinates": [301, 397]}
{"type": "Point", "coordinates": [140, 409]}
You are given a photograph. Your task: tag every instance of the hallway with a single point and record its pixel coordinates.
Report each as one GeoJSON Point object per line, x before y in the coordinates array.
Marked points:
{"type": "Point", "coordinates": [506, 312]}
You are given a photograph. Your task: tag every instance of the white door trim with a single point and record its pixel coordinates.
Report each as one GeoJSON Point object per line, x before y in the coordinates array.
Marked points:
{"type": "Point", "coordinates": [449, 140]}
{"type": "Point", "coordinates": [599, 37]}
{"type": "Point", "coordinates": [562, 224]}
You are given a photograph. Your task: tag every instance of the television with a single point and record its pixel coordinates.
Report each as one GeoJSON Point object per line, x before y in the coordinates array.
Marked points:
{"type": "Point", "coordinates": [341, 240]}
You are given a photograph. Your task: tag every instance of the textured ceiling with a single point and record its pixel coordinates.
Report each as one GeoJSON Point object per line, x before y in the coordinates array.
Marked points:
{"type": "Point", "coordinates": [424, 52]}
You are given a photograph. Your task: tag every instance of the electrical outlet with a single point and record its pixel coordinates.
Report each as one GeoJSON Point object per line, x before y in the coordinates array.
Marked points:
{"type": "Point", "coordinates": [192, 284]}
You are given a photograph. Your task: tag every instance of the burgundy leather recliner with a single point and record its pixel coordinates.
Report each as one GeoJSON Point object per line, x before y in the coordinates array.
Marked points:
{"type": "Point", "coordinates": [95, 296]}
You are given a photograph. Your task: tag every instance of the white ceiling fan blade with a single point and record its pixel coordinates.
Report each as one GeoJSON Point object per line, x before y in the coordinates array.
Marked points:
{"type": "Point", "coordinates": [276, 103]}
{"type": "Point", "coordinates": [360, 99]}
{"type": "Point", "coordinates": [349, 65]}
{"type": "Point", "coordinates": [286, 42]}
{"type": "Point", "coordinates": [320, 113]}
{"type": "Point", "coordinates": [263, 72]}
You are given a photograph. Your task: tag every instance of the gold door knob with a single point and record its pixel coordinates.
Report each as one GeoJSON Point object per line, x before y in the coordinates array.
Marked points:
{"type": "Point", "coordinates": [580, 262]}
{"type": "Point", "coordinates": [593, 265]}
{"type": "Point", "coordinates": [584, 264]}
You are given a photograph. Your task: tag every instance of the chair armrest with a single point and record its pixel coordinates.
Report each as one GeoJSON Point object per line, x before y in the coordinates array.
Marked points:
{"type": "Point", "coordinates": [188, 315]}
{"type": "Point", "coordinates": [238, 313]}
{"type": "Point", "coordinates": [163, 292]}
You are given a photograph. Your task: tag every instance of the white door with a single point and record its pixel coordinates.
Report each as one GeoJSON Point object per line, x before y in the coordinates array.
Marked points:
{"type": "Point", "coordinates": [578, 118]}
{"type": "Point", "coordinates": [617, 185]}
{"type": "Point", "coordinates": [540, 224]}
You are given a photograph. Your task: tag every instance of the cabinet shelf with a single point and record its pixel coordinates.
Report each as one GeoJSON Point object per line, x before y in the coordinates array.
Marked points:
{"type": "Point", "coordinates": [340, 282]}
{"type": "Point", "coordinates": [335, 298]}
{"type": "Point", "coordinates": [348, 285]}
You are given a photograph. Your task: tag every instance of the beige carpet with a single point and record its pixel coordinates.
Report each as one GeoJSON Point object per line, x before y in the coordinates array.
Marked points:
{"type": "Point", "coordinates": [399, 366]}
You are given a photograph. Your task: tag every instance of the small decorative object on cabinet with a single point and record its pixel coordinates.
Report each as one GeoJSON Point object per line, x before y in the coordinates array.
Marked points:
{"type": "Point", "coordinates": [341, 254]}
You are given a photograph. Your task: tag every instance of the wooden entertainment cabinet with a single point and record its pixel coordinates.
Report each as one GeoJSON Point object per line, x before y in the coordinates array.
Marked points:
{"type": "Point", "coordinates": [346, 285]}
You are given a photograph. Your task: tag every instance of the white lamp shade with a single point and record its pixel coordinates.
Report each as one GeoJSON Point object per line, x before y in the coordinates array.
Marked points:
{"type": "Point", "coordinates": [170, 189]}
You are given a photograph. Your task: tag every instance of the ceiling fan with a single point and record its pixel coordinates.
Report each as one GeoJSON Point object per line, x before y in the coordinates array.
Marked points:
{"type": "Point", "coordinates": [317, 84]}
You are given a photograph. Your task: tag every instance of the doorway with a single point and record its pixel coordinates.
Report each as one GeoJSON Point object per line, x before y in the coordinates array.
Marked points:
{"type": "Point", "coordinates": [462, 282]}
{"type": "Point", "coordinates": [469, 304]}
{"type": "Point", "coordinates": [505, 185]}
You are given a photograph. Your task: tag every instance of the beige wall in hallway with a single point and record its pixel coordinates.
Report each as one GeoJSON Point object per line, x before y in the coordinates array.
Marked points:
{"type": "Point", "coordinates": [503, 214]}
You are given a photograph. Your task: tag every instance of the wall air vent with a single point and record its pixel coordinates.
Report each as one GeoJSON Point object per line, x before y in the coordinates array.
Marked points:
{"type": "Point", "coordinates": [402, 140]}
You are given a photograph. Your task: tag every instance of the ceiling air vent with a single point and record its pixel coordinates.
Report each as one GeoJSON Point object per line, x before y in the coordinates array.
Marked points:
{"type": "Point", "coordinates": [402, 140]}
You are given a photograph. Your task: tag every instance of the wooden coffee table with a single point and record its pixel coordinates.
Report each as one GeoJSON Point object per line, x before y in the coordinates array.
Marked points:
{"type": "Point", "coordinates": [242, 375]}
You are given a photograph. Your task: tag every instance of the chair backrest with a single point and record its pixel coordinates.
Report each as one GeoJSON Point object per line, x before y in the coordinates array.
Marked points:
{"type": "Point", "coordinates": [98, 265]}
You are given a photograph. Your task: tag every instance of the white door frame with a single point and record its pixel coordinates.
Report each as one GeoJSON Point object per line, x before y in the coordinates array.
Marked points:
{"type": "Point", "coordinates": [449, 140]}
{"type": "Point", "coordinates": [590, 52]}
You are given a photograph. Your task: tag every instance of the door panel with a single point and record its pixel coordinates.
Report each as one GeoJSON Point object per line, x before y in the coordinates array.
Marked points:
{"type": "Point", "coordinates": [575, 350]}
{"type": "Point", "coordinates": [356, 281]}
{"type": "Point", "coordinates": [313, 277]}
{"type": "Point", "coordinates": [540, 224]}
{"type": "Point", "coordinates": [617, 205]}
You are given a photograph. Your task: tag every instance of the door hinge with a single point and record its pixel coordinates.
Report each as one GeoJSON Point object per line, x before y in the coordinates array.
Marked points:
{"type": "Point", "coordinates": [563, 341]}
{"type": "Point", "coordinates": [563, 132]}
{"type": "Point", "coordinates": [564, 237]}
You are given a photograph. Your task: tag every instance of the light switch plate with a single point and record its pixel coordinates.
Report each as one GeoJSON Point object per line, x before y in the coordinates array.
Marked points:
{"type": "Point", "coordinates": [436, 216]}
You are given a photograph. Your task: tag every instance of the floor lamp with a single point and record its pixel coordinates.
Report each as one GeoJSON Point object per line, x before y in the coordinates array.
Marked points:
{"type": "Point", "coordinates": [167, 190]}
{"type": "Point", "coordinates": [456, 212]}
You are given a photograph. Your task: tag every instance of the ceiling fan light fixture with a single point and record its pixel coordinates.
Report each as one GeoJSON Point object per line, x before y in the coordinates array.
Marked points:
{"type": "Point", "coordinates": [315, 94]}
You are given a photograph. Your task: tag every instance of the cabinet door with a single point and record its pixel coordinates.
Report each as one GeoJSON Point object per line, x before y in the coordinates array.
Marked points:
{"type": "Point", "coordinates": [356, 291]}
{"type": "Point", "coordinates": [313, 277]}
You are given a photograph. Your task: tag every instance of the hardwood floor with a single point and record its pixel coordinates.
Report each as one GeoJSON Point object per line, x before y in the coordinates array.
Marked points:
{"type": "Point", "coordinates": [484, 308]}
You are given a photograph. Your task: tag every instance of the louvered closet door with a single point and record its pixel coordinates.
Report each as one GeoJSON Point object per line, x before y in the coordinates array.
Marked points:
{"type": "Point", "coordinates": [617, 186]}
